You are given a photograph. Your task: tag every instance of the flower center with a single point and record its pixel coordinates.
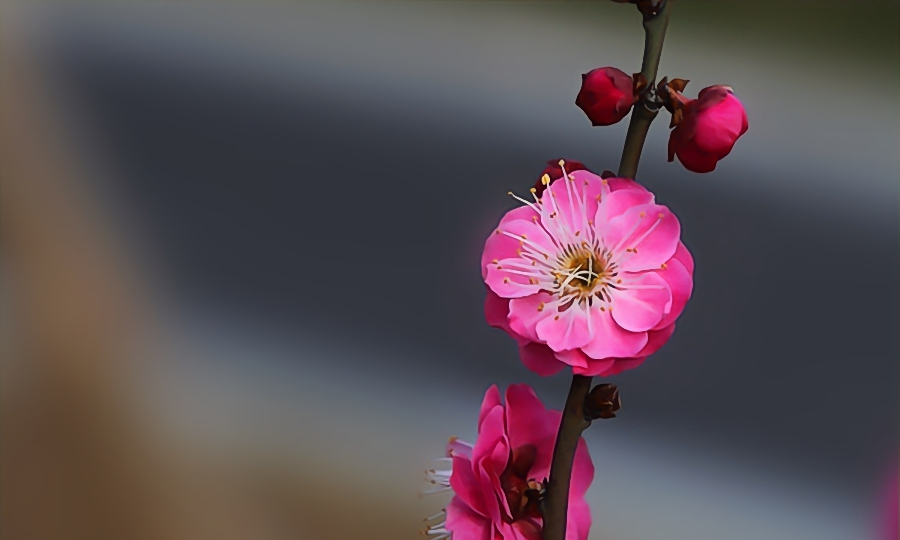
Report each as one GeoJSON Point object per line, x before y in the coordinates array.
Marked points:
{"type": "Point", "coordinates": [584, 273]}
{"type": "Point", "coordinates": [522, 493]}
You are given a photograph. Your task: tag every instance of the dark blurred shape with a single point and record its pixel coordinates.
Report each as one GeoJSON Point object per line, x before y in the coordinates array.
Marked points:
{"type": "Point", "coordinates": [603, 401]}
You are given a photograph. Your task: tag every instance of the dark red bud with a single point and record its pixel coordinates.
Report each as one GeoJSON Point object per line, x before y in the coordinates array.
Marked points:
{"type": "Point", "coordinates": [602, 402]}
{"type": "Point", "coordinates": [606, 95]}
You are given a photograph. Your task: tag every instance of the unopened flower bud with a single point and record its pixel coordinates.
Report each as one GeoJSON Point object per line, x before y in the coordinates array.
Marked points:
{"type": "Point", "coordinates": [602, 402]}
{"type": "Point", "coordinates": [554, 170]}
{"type": "Point", "coordinates": [606, 95]}
{"type": "Point", "coordinates": [707, 128]}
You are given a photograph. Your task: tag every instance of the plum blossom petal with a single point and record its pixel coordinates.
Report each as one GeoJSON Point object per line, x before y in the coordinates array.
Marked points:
{"type": "Point", "coordinates": [525, 313]}
{"type": "Point", "coordinates": [613, 341]}
{"type": "Point", "coordinates": [496, 312]}
{"type": "Point", "coordinates": [647, 233]}
{"type": "Point", "coordinates": [567, 329]}
{"type": "Point", "coordinates": [681, 284]}
{"type": "Point", "coordinates": [522, 407]}
{"type": "Point", "coordinates": [465, 523]}
{"type": "Point", "coordinates": [540, 359]}
{"type": "Point", "coordinates": [575, 358]}
{"type": "Point", "coordinates": [640, 305]}
{"type": "Point", "coordinates": [491, 400]}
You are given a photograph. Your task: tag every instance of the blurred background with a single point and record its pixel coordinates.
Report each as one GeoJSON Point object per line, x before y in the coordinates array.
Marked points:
{"type": "Point", "coordinates": [240, 293]}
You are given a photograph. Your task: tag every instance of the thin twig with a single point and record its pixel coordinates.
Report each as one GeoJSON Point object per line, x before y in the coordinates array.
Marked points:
{"type": "Point", "coordinates": [573, 423]}
{"type": "Point", "coordinates": [641, 116]}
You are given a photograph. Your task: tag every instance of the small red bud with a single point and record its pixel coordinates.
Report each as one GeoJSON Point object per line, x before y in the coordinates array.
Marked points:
{"type": "Point", "coordinates": [606, 95]}
{"type": "Point", "coordinates": [602, 402]}
{"type": "Point", "coordinates": [708, 128]}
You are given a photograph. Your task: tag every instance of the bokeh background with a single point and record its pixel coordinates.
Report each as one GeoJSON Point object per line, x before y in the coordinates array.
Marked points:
{"type": "Point", "coordinates": [240, 241]}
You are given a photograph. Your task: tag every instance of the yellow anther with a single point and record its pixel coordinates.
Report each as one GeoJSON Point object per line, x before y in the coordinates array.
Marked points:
{"type": "Point", "coordinates": [533, 190]}
{"type": "Point", "coordinates": [562, 162]}
{"type": "Point", "coordinates": [545, 179]}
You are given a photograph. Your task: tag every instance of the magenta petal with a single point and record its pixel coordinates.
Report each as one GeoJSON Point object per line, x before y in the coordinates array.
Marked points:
{"type": "Point", "coordinates": [578, 526]}
{"type": "Point", "coordinates": [526, 417]}
{"type": "Point", "coordinates": [574, 357]}
{"type": "Point", "coordinates": [590, 187]}
{"type": "Point", "coordinates": [466, 486]}
{"type": "Point", "coordinates": [640, 309]}
{"type": "Point", "coordinates": [463, 522]}
{"type": "Point", "coordinates": [681, 285]}
{"type": "Point", "coordinates": [496, 311]}
{"type": "Point", "coordinates": [624, 364]}
{"type": "Point", "coordinates": [567, 329]}
{"type": "Point", "coordinates": [617, 183]}
{"type": "Point", "coordinates": [582, 471]}
{"type": "Point", "coordinates": [651, 229]}
{"type": "Point", "coordinates": [656, 339]}
{"type": "Point", "coordinates": [684, 256]}
{"type": "Point", "coordinates": [490, 401]}
{"type": "Point", "coordinates": [500, 249]}
{"type": "Point", "coordinates": [618, 202]}
{"type": "Point", "coordinates": [491, 433]}
{"type": "Point", "coordinates": [612, 341]}
{"type": "Point", "coordinates": [540, 359]}
{"type": "Point", "coordinates": [596, 367]}
{"type": "Point", "coordinates": [525, 313]}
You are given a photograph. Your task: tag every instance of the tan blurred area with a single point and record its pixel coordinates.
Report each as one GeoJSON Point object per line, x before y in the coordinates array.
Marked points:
{"type": "Point", "coordinates": [80, 458]}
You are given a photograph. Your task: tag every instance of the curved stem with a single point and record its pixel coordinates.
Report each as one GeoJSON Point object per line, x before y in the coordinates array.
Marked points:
{"type": "Point", "coordinates": [572, 424]}
{"type": "Point", "coordinates": [641, 116]}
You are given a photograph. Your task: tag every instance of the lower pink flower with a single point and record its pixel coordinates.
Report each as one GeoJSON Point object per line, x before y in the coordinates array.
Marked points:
{"type": "Point", "coordinates": [497, 481]}
{"type": "Point", "coordinates": [591, 275]}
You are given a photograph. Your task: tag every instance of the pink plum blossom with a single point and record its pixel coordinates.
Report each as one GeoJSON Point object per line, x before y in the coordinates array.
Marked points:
{"type": "Point", "coordinates": [497, 482]}
{"type": "Point", "coordinates": [710, 126]}
{"type": "Point", "coordinates": [591, 275]}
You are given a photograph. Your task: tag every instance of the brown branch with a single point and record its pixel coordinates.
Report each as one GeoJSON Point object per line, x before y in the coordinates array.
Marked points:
{"type": "Point", "coordinates": [573, 423]}
{"type": "Point", "coordinates": [642, 116]}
